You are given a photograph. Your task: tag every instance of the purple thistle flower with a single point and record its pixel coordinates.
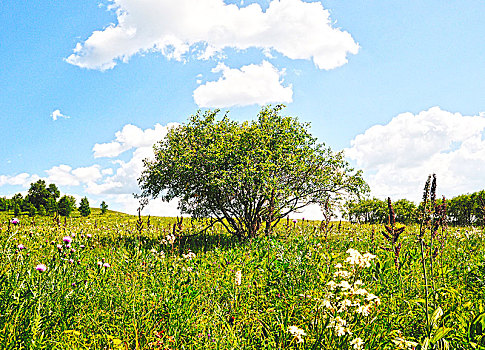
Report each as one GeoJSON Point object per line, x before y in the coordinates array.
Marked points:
{"type": "Point", "coordinates": [67, 239]}
{"type": "Point", "coordinates": [106, 265]}
{"type": "Point", "coordinates": [41, 267]}
{"type": "Point", "coordinates": [15, 221]}
{"type": "Point", "coordinates": [21, 246]}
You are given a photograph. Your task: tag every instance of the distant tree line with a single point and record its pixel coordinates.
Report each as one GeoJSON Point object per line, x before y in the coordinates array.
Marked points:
{"type": "Point", "coordinates": [43, 199]}
{"type": "Point", "coordinates": [462, 210]}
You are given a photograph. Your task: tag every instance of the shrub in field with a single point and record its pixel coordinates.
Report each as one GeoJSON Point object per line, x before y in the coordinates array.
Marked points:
{"type": "Point", "coordinates": [104, 207]}
{"type": "Point", "coordinates": [66, 205]}
{"type": "Point", "coordinates": [246, 174]}
{"type": "Point", "coordinates": [84, 208]}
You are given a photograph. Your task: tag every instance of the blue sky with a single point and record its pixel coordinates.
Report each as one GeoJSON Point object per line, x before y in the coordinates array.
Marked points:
{"type": "Point", "coordinates": [397, 84]}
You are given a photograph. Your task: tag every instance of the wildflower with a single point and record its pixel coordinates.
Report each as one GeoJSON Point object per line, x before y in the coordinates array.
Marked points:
{"type": "Point", "coordinates": [364, 310]}
{"type": "Point", "coordinates": [295, 221]}
{"type": "Point", "coordinates": [345, 285]}
{"type": "Point", "coordinates": [357, 343]}
{"type": "Point", "coordinates": [67, 239]}
{"type": "Point", "coordinates": [89, 235]}
{"type": "Point", "coordinates": [238, 277]}
{"type": "Point", "coordinates": [71, 261]}
{"type": "Point", "coordinates": [342, 273]}
{"type": "Point", "coordinates": [59, 247]}
{"type": "Point", "coordinates": [332, 285]}
{"type": "Point", "coordinates": [41, 267]}
{"type": "Point", "coordinates": [106, 265]}
{"type": "Point", "coordinates": [20, 246]}
{"type": "Point", "coordinates": [189, 256]}
{"type": "Point", "coordinates": [100, 263]}
{"type": "Point", "coordinates": [170, 239]}
{"type": "Point", "coordinates": [297, 333]}
{"type": "Point", "coordinates": [374, 298]}
{"type": "Point", "coordinates": [15, 221]}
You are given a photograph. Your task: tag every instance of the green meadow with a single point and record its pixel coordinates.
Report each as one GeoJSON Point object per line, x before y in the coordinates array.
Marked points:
{"type": "Point", "coordinates": [114, 281]}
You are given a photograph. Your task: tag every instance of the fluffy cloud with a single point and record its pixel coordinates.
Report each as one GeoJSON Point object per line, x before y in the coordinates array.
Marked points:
{"type": "Point", "coordinates": [252, 84]}
{"type": "Point", "coordinates": [294, 28]}
{"type": "Point", "coordinates": [64, 175]}
{"type": "Point", "coordinates": [22, 179]}
{"type": "Point", "coordinates": [130, 137]}
{"type": "Point", "coordinates": [124, 180]}
{"type": "Point", "coordinates": [397, 157]}
{"type": "Point", "coordinates": [57, 114]}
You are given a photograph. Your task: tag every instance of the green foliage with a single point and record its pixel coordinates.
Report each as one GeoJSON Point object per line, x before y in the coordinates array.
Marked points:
{"type": "Point", "coordinates": [16, 209]}
{"type": "Point", "coordinates": [66, 205]}
{"type": "Point", "coordinates": [38, 193]}
{"type": "Point", "coordinates": [104, 207]}
{"type": "Point", "coordinates": [246, 174]}
{"type": "Point", "coordinates": [51, 206]}
{"type": "Point", "coordinates": [42, 211]}
{"type": "Point", "coordinates": [31, 210]}
{"type": "Point", "coordinates": [84, 208]}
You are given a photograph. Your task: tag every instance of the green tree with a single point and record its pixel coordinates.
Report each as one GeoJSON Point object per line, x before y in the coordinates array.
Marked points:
{"type": "Point", "coordinates": [406, 211]}
{"type": "Point", "coordinates": [104, 207]}
{"type": "Point", "coordinates": [246, 174]}
{"type": "Point", "coordinates": [84, 208]}
{"type": "Point", "coordinates": [66, 205]}
{"type": "Point", "coordinates": [368, 211]}
{"type": "Point", "coordinates": [38, 193]}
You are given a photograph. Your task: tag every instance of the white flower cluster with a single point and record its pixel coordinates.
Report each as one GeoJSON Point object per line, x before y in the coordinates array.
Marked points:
{"type": "Point", "coordinates": [298, 333]}
{"type": "Point", "coordinates": [347, 300]}
{"type": "Point", "coordinates": [169, 240]}
{"type": "Point", "coordinates": [355, 258]}
{"type": "Point", "coordinates": [159, 254]}
{"type": "Point", "coordinates": [189, 256]}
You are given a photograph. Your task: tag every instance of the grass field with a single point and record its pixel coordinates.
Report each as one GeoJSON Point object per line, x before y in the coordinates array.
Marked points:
{"type": "Point", "coordinates": [110, 283]}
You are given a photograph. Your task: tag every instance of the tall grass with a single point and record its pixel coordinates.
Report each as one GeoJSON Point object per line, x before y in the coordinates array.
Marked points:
{"type": "Point", "coordinates": [126, 285]}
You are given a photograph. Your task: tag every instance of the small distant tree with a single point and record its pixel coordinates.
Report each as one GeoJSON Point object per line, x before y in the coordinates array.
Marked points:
{"type": "Point", "coordinates": [84, 208]}
{"type": "Point", "coordinates": [104, 207]}
{"type": "Point", "coordinates": [66, 205]}
{"type": "Point", "coordinates": [38, 193]}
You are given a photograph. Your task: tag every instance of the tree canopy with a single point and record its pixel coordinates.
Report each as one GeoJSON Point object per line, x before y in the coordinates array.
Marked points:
{"type": "Point", "coordinates": [246, 174]}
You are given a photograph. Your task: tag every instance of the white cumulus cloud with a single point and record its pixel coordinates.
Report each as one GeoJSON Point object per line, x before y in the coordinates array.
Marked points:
{"type": "Point", "coordinates": [252, 84]}
{"type": "Point", "coordinates": [57, 114]}
{"type": "Point", "coordinates": [294, 28]}
{"type": "Point", "coordinates": [130, 137]}
{"type": "Point", "coordinates": [398, 157]}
